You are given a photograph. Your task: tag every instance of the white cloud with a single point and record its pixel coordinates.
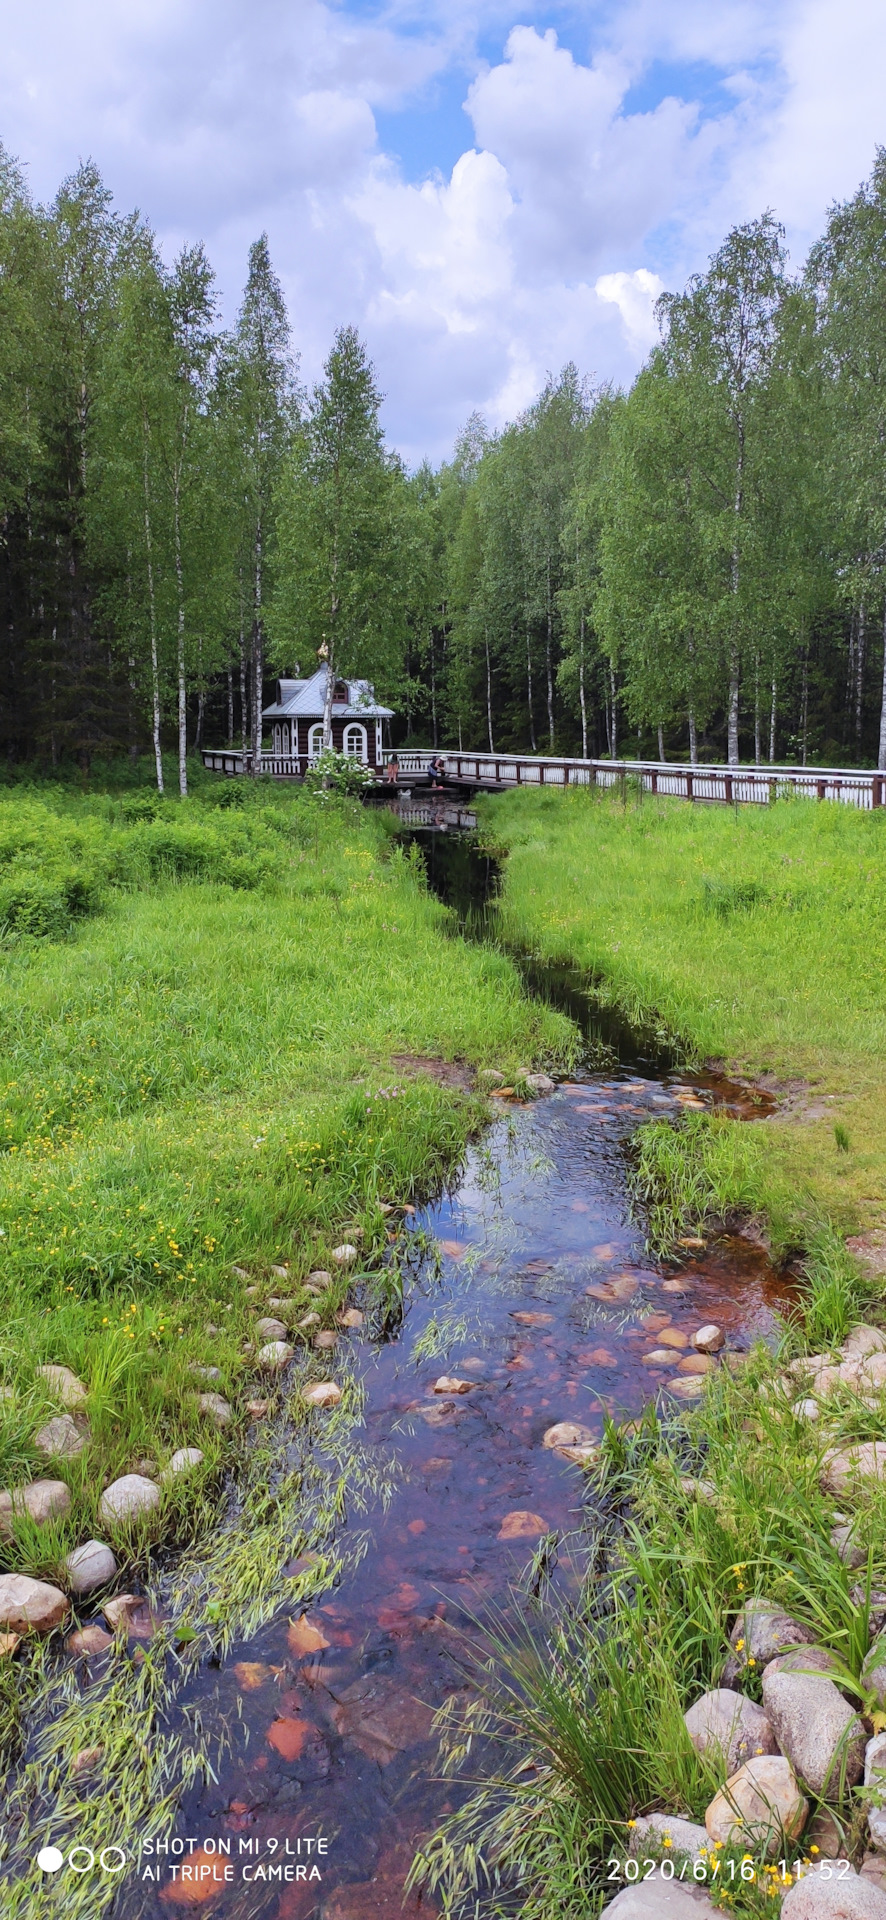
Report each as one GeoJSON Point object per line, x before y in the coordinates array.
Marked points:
{"type": "Point", "coordinates": [547, 239]}
{"type": "Point", "coordinates": [634, 294]}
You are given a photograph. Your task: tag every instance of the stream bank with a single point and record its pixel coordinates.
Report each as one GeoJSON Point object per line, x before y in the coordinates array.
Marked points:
{"type": "Point", "coordinates": [528, 1300]}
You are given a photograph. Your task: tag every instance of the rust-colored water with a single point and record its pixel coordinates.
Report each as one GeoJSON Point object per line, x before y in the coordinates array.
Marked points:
{"type": "Point", "coordinates": [546, 1291]}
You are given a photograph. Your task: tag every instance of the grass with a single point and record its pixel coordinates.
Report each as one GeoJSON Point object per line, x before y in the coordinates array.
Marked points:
{"type": "Point", "coordinates": [212, 1023]}
{"type": "Point", "coordinates": [752, 937]}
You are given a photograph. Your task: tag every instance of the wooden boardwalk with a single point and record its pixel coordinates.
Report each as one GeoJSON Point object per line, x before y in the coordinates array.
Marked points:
{"type": "Point", "coordinates": [467, 773]}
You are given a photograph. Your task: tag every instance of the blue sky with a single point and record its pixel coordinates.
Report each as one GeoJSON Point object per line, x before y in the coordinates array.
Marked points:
{"type": "Point", "coordinates": [485, 191]}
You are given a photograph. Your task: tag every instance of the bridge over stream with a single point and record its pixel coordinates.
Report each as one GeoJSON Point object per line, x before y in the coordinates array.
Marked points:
{"type": "Point", "coordinates": [470, 773]}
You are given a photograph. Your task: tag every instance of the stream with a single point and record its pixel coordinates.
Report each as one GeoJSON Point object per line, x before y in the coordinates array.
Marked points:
{"type": "Point", "coordinates": [530, 1284]}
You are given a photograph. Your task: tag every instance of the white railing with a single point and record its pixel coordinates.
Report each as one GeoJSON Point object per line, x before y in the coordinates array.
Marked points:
{"type": "Point", "coordinates": [732, 786]}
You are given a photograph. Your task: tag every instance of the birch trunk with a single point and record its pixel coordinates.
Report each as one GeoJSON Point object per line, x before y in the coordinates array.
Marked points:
{"type": "Point", "coordinates": [614, 713]}
{"type": "Point", "coordinates": [257, 656]}
{"type": "Point", "coordinates": [881, 750]}
{"type": "Point", "coordinates": [734, 650]}
{"type": "Point", "coordinates": [230, 707]}
{"type": "Point", "coordinates": [859, 669]}
{"type": "Point", "coordinates": [757, 721]}
{"type": "Point", "coordinates": [532, 740]}
{"type": "Point", "coordinates": [549, 660]}
{"type": "Point", "coordinates": [180, 644]}
{"type": "Point", "coordinates": [488, 690]}
{"type": "Point", "coordinates": [693, 739]}
{"type": "Point", "coordinates": [772, 718]}
{"type": "Point", "coordinates": [661, 751]}
{"type": "Point", "coordinates": [581, 693]}
{"type": "Point", "coordinates": [152, 612]}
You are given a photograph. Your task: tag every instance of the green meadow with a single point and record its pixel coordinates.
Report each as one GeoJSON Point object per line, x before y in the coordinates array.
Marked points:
{"type": "Point", "coordinates": [198, 1013]}
{"type": "Point", "coordinates": [752, 936]}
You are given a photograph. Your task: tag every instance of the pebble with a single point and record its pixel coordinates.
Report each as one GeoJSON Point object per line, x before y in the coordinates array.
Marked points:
{"type": "Point", "coordinates": [30, 1606]}
{"type": "Point", "coordinates": [759, 1806]}
{"type": "Point", "coordinates": [698, 1489]}
{"type": "Point", "coordinates": [674, 1286]}
{"type": "Point", "coordinates": [672, 1337]}
{"type": "Point", "coordinates": [708, 1339]}
{"type": "Point", "coordinates": [323, 1393]}
{"type": "Point", "coordinates": [240, 1273]}
{"type": "Point", "coordinates": [183, 1461]}
{"type": "Point", "coordinates": [64, 1386]}
{"type": "Point", "coordinates": [325, 1342]}
{"type": "Point", "coordinates": [90, 1566]}
{"type": "Point", "coordinates": [257, 1409]}
{"type": "Point", "coordinates": [319, 1277]}
{"type": "Point", "coordinates": [659, 1357]}
{"type": "Point", "coordinates": [89, 1640]}
{"type": "Point", "coordinates": [309, 1320]}
{"type": "Point", "coordinates": [352, 1317]}
{"type": "Point", "coordinates": [275, 1356]}
{"type": "Point", "coordinates": [132, 1611]}
{"type": "Point", "coordinates": [282, 1306]}
{"type": "Point", "coordinates": [86, 1759]}
{"type": "Point", "coordinates": [688, 1387]}
{"type": "Point", "coordinates": [450, 1383]}
{"type": "Point", "coordinates": [280, 1273]}
{"type": "Point", "coordinates": [345, 1255]}
{"type": "Point", "coordinates": [269, 1329]}
{"type": "Point", "coordinates": [697, 1363]}
{"type": "Point", "coordinates": [219, 1410]}
{"type": "Point", "coordinates": [521, 1524]}
{"type": "Point", "coordinates": [540, 1082]}
{"type": "Point", "coordinates": [572, 1440]}
{"type": "Point", "coordinates": [61, 1438]}
{"type": "Point", "coordinates": [205, 1373]}
{"type": "Point", "coordinates": [129, 1497]}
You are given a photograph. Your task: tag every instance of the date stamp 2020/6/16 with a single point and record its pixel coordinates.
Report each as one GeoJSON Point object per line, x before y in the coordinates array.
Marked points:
{"type": "Point", "coordinates": [725, 1872]}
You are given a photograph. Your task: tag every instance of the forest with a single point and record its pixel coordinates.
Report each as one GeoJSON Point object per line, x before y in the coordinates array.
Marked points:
{"type": "Point", "coordinates": [691, 569]}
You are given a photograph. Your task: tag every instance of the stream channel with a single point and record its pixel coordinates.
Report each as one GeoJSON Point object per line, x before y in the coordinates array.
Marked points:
{"type": "Point", "coordinates": [541, 1295]}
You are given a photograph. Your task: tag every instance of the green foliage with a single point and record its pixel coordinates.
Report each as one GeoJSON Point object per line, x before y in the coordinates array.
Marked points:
{"type": "Point", "coordinates": [333, 772]}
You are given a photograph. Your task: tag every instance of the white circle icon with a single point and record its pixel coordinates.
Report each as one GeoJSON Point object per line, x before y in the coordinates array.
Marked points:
{"type": "Point", "coordinates": [49, 1859]}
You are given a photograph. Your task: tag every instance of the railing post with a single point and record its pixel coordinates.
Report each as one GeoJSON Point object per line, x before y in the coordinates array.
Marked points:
{"type": "Point", "coordinates": [728, 789]}
{"type": "Point", "coordinates": [654, 780]}
{"type": "Point", "coordinates": [519, 766]}
{"type": "Point", "coordinates": [541, 773]}
{"type": "Point", "coordinates": [820, 789]}
{"type": "Point", "coordinates": [876, 791]}
{"type": "Point", "coordinates": [565, 774]}
{"type": "Point", "coordinates": [498, 772]}
{"type": "Point", "coordinates": [690, 786]}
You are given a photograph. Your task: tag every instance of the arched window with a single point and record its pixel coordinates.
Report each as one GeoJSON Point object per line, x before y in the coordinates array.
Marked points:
{"type": "Point", "coordinates": [276, 739]}
{"type": "Point", "coordinates": [315, 741]}
{"type": "Point", "coordinates": [355, 743]}
{"type": "Point", "coordinates": [286, 737]}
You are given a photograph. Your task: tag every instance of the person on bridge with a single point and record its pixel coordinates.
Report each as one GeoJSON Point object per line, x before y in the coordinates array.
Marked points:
{"type": "Point", "coordinates": [437, 771]}
{"type": "Point", "coordinates": [392, 771]}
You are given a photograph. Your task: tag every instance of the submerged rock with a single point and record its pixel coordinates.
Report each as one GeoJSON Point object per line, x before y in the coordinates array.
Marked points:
{"type": "Point", "coordinates": [322, 1393]}
{"type": "Point", "coordinates": [572, 1440]}
{"type": "Point", "coordinates": [30, 1606]}
{"type": "Point", "coordinates": [89, 1640]}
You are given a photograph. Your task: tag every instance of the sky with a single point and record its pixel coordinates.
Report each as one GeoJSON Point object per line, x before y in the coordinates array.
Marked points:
{"type": "Point", "coordinates": [485, 191]}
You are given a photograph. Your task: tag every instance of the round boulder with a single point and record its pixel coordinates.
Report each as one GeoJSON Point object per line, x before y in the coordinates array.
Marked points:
{"type": "Point", "coordinates": [833, 1893]}
{"type": "Point", "coordinates": [540, 1083]}
{"type": "Point", "coordinates": [30, 1606]}
{"type": "Point", "coordinates": [183, 1461]}
{"type": "Point", "coordinates": [275, 1356]}
{"type": "Point", "coordinates": [128, 1499]}
{"type": "Point", "coordinates": [217, 1408]}
{"type": "Point", "coordinates": [270, 1329]}
{"type": "Point", "coordinates": [43, 1500]}
{"type": "Point", "coordinates": [61, 1438]}
{"type": "Point", "coordinates": [759, 1806]}
{"type": "Point", "coordinates": [729, 1724]}
{"type": "Point", "coordinates": [63, 1385]}
{"type": "Point", "coordinates": [90, 1566]}
{"type": "Point", "coordinates": [708, 1339]}
{"type": "Point", "coordinates": [345, 1255]}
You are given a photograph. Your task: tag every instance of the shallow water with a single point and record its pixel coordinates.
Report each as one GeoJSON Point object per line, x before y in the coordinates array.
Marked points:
{"type": "Point", "coordinates": [539, 1295]}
